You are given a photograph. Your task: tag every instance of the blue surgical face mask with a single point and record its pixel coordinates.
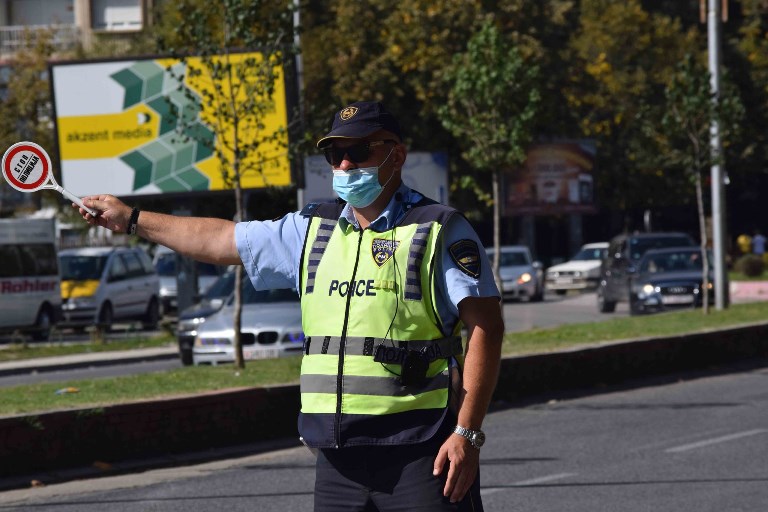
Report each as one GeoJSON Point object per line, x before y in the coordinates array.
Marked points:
{"type": "Point", "coordinates": [359, 187]}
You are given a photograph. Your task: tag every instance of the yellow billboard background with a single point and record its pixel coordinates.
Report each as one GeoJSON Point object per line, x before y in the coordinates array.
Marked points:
{"type": "Point", "coordinates": [118, 126]}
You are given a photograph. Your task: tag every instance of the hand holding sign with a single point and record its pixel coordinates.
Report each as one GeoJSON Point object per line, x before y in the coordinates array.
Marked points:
{"type": "Point", "coordinates": [27, 168]}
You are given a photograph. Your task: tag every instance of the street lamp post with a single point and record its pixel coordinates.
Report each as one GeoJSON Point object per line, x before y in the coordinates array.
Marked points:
{"type": "Point", "coordinates": [717, 171]}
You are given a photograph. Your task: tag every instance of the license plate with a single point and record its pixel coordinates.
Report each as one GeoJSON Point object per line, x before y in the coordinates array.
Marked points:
{"type": "Point", "coordinates": [564, 280]}
{"type": "Point", "coordinates": [677, 299]}
{"type": "Point", "coordinates": [262, 353]}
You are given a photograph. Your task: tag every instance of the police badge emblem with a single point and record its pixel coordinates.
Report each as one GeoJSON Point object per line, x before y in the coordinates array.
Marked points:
{"type": "Point", "coordinates": [383, 249]}
{"type": "Point", "coordinates": [348, 113]}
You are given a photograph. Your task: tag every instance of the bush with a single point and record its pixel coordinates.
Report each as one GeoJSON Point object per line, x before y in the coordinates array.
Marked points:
{"type": "Point", "coordinates": [750, 265]}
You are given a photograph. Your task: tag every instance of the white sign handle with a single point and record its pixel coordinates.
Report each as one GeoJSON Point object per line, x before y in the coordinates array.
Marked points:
{"type": "Point", "coordinates": [72, 197]}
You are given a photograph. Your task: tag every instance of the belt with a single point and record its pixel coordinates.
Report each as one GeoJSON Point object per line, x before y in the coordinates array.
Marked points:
{"type": "Point", "coordinates": [382, 349]}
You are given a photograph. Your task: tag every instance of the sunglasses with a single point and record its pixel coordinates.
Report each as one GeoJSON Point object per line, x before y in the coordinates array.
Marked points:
{"type": "Point", "coordinates": [358, 153]}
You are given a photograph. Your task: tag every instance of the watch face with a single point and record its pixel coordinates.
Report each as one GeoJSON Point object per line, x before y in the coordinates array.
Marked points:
{"type": "Point", "coordinates": [479, 439]}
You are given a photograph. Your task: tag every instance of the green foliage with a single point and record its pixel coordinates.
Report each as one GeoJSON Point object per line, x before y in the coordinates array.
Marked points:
{"type": "Point", "coordinates": [493, 101]}
{"type": "Point", "coordinates": [621, 57]}
{"type": "Point", "coordinates": [750, 265]}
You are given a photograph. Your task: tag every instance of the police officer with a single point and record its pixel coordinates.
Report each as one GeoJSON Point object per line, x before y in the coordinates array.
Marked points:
{"type": "Point", "coordinates": [392, 399]}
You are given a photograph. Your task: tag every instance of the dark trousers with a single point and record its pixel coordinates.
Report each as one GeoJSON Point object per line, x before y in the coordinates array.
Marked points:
{"type": "Point", "coordinates": [383, 479]}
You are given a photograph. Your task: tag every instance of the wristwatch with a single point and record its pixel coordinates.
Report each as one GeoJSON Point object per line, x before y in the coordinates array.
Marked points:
{"type": "Point", "coordinates": [475, 437]}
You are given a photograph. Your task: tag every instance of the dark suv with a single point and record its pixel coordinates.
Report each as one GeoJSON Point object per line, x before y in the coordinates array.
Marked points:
{"type": "Point", "coordinates": [624, 252]}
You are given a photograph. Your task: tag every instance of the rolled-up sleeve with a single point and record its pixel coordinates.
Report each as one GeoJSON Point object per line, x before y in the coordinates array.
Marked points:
{"type": "Point", "coordinates": [271, 250]}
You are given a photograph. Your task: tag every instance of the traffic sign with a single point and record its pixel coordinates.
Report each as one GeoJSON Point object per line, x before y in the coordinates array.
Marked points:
{"type": "Point", "coordinates": [27, 167]}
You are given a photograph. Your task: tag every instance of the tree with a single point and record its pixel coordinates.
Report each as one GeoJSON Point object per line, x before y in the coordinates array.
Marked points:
{"type": "Point", "coordinates": [235, 91]}
{"type": "Point", "coordinates": [683, 135]}
{"type": "Point", "coordinates": [491, 110]}
{"type": "Point", "coordinates": [25, 112]}
{"type": "Point", "coordinates": [621, 56]}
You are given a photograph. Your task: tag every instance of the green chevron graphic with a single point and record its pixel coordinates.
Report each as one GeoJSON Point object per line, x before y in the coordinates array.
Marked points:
{"type": "Point", "coordinates": [167, 162]}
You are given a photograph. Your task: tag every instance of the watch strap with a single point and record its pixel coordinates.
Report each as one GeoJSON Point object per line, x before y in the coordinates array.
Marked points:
{"type": "Point", "coordinates": [132, 222]}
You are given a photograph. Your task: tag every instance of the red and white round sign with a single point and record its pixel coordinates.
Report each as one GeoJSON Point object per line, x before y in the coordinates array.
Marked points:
{"type": "Point", "coordinates": [26, 166]}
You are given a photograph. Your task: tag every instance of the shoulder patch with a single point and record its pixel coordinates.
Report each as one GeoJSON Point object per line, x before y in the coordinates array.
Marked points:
{"type": "Point", "coordinates": [309, 209]}
{"type": "Point", "coordinates": [466, 255]}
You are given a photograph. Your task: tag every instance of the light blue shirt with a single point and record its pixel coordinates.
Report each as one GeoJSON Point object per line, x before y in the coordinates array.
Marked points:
{"type": "Point", "coordinates": [271, 254]}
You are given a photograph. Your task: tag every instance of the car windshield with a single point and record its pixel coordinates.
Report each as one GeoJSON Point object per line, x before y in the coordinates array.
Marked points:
{"type": "Point", "coordinates": [512, 259]}
{"type": "Point", "coordinates": [252, 296]}
{"type": "Point", "coordinates": [672, 262]}
{"type": "Point", "coordinates": [78, 268]}
{"type": "Point", "coordinates": [166, 266]}
{"type": "Point", "coordinates": [594, 253]}
{"type": "Point", "coordinates": [639, 246]}
{"type": "Point", "coordinates": [222, 287]}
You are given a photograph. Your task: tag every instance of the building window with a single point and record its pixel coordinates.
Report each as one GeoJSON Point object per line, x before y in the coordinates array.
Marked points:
{"type": "Point", "coordinates": [116, 15]}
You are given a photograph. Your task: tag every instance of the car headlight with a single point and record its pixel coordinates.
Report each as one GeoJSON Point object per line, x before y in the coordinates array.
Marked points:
{"type": "Point", "coordinates": [525, 278]}
{"type": "Point", "coordinates": [648, 289]}
{"type": "Point", "coordinates": [212, 342]}
{"type": "Point", "coordinates": [577, 274]}
{"type": "Point", "coordinates": [710, 285]}
{"type": "Point", "coordinates": [190, 324]}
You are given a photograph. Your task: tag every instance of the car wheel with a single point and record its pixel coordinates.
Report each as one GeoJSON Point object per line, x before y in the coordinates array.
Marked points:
{"type": "Point", "coordinates": [185, 354]}
{"type": "Point", "coordinates": [106, 317]}
{"type": "Point", "coordinates": [43, 325]}
{"type": "Point", "coordinates": [604, 305]}
{"type": "Point", "coordinates": [152, 316]}
{"type": "Point", "coordinates": [538, 295]}
{"type": "Point", "coordinates": [635, 308]}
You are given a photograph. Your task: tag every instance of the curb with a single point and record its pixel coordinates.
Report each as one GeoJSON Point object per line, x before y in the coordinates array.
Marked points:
{"type": "Point", "coordinates": [51, 364]}
{"type": "Point", "coordinates": [95, 438]}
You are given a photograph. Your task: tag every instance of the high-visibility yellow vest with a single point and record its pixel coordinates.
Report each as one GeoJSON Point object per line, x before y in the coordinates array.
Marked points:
{"type": "Point", "coordinates": [367, 298]}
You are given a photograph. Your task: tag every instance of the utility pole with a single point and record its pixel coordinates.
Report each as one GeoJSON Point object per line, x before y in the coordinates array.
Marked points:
{"type": "Point", "coordinates": [717, 172]}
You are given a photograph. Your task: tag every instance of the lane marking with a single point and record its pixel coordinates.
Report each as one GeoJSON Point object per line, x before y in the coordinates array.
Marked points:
{"type": "Point", "coordinates": [722, 439]}
{"type": "Point", "coordinates": [523, 483]}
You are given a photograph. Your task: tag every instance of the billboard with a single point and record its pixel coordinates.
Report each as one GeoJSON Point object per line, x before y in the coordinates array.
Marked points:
{"type": "Point", "coordinates": [555, 178]}
{"type": "Point", "coordinates": [423, 171]}
{"type": "Point", "coordinates": [118, 128]}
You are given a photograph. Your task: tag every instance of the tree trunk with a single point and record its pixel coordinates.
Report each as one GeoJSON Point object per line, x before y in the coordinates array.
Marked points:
{"type": "Point", "coordinates": [704, 242]}
{"type": "Point", "coordinates": [237, 324]}
{"type": "Point", "coordinates": [497, 231]}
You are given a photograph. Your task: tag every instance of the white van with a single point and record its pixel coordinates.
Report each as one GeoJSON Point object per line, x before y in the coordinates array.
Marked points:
{"type": "Point", "coordinates": [30, 294]}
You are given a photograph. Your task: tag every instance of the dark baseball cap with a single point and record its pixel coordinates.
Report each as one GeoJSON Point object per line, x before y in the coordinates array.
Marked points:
{"type": "Point", "coordinates": [359, 120]}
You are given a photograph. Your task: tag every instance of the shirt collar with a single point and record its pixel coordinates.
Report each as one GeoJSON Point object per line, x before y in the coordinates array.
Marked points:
{"type": "Point", "coordinates": [390, 216]}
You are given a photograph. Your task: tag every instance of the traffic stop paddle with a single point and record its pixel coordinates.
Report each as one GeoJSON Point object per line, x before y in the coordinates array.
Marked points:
{"type": "Point", "coordinates": [27, 168]}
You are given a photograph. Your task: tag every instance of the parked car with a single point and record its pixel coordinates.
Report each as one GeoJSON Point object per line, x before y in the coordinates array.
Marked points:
{"type": "Point", "coordinates": [101, 285]}
{"type": "Point", "coordinates": [521, 277]}
{"type": "Point", "coordinates": [190, 318]}
{"type": "Point", "coordinates": [165, 261]}
{"type": "Point", "coordinates": [271, 327]}
{"type": "Point", "coordinates": [669, 279]}
{"type": "Point", "coordinates": [30, 293]}
{"type": "Point", "coordinates": [581, 272]}
{"type": "Point", "coordinates": [620, 265]}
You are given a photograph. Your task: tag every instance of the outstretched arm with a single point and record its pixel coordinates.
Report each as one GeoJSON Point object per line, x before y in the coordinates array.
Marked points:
{"type": "Point", "coordinates": [200, 238]}
{"type": "Point", "coordinates": [485, 326]}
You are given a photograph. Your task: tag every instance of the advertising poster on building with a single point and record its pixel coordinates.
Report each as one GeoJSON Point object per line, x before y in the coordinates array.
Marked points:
{"type": "Point", "coordinates": [556, 178]}
{"type": "Point", "coordinates": [119, 130]}
{"type": "Point", "coordinates": [423, 171]}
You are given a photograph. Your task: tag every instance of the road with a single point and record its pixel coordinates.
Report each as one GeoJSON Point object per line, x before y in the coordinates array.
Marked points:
{"type": "Point", "coordinates": [518, 316]}
{"type": "Point", "coordinates": [684, 444]}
